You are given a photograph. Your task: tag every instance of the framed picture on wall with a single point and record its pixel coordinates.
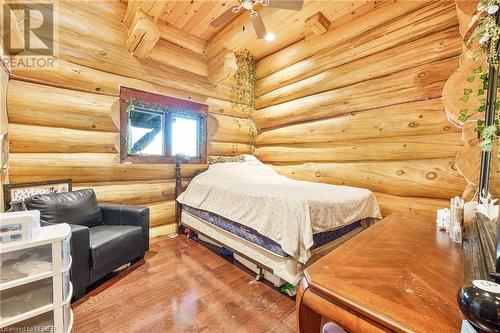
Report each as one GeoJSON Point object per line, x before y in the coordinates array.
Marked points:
{"type": "Point", "coordinates": [14, 194]}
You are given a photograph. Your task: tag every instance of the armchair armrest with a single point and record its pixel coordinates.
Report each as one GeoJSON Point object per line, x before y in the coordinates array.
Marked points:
{"type": "Point", "coordinates": [80, 255]}
{"type": "Point", "coordinates": [114, 214]}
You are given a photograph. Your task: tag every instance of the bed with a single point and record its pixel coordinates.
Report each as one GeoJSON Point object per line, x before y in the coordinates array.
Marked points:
{"type": "Point", "coordinates": [275, 226]}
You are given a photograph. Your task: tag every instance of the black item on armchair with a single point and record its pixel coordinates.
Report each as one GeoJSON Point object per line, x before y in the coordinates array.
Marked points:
{"type": "Point", "coordinates": [103, 237]}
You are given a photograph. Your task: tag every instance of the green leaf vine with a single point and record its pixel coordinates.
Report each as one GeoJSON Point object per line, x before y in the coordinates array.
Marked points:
{"type": "Point", "coordinates": [244, 86]}
{"type": "Point", "coordinates": [244, 82]}
{"type": "Point", "coordinates": [488, 33]}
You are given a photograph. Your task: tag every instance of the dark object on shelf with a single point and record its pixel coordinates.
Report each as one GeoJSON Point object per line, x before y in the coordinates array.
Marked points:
{"type": "Point", "coordinates": [103, 237]}
{"type": "Point", "coordinates": [479, 301]}
{"type": "Point", "coordinates": [482, 264]}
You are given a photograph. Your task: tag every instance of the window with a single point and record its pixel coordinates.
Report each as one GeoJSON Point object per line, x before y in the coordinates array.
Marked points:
{"type": "Point", "coordinates": [155, 128]}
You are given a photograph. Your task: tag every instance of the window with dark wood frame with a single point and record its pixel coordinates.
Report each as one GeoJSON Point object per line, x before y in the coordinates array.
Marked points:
{"type": "Point", "coordinates": [153, 128]}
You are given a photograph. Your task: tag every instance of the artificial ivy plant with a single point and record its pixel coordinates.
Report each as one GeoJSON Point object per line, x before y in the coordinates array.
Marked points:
{"type": "Point", "coordinates": [244, 82]}
{"type": "Point", "coordinates": [488, 34]}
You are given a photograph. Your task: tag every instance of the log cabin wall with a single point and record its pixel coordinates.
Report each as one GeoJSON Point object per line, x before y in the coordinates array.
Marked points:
{"type": "Point", "coordinates": [360, 105]}
{"type": "Point", "coordinates": [64, 123]}
{"type": "Point", "coordinates": [4, 126]}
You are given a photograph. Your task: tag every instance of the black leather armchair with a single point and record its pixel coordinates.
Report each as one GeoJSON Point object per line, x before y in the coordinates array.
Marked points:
{"type": "Point", "coordinates": [103, 238]}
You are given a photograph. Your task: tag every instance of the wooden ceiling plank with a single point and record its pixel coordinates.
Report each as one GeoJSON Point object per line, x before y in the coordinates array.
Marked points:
{"type": "Point", "coordinates": [176, 12]}
{"type": "Point", "coordinates": [204, 29]}
{"type": "Point", "coordinates": [201, 17]}
{"type": "Point", "coordinates": [189, 12]}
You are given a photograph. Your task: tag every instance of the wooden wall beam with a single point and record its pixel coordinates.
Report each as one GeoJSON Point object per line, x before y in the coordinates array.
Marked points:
{"type": "Point", "coordinates": [381, 149]}
{"type": "Point", "coordinates": [393, 204]}
{"type": "Point", "coordinates": [132, 193]}
{"type": "Point", "coordinates": [339, 69]}
{"type": "Point", "coordinates": [419, 83]}
{"type": "Point", "coordinates": [222, 67]}
{"type": "Point", "coordinates": [435, 178]}
{"type": "Point", "coordinates": [415, 118]}
{"type": "Point", "coordinates": [89, 167]}
{"type": "Point", "coordinates": [34, 104]}
{"type": "Point", "coordinates": [161, 213]}
{"type": "Point", "coordinates": [143, 36]}
{"type": "Point", "coordinates": [181, 38]}
{"type": "Point", "coordinates": [43, 139]}
{"type": "Point", "coordinates": [173, 55]}
{"type": "Point", "coordinates": [229, 129]}
{"type": "Point", "coordinates": [316, 25]}
{"type": "Point", "coordinates": [229, 148]}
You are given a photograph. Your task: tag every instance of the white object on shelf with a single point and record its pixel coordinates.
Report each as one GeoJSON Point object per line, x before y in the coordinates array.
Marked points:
{"type": "Point", "coordinates": [443, 219]}
{"type": "Point", "coordinates": [488, 207]}
{"type": "Point", "coordinates": [35, 289]}
{"type": "Point", "coordinates": [19, 226]}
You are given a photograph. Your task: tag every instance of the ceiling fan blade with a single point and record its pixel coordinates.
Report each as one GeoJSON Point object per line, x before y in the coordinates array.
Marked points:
{"type": "Point", "coordinates": [223, 18]}
{"type": "Point", "coordinates": [259, 27]}
{"type": "Point", "coordinates": [287, 4]}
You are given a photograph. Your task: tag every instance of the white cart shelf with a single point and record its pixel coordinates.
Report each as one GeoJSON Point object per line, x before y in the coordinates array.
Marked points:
{"type": "Point", "coordinates": [35, 289]}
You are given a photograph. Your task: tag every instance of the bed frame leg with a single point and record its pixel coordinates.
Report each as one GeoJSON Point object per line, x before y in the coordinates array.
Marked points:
{"type": "Point", "coordinates": [260, 274]}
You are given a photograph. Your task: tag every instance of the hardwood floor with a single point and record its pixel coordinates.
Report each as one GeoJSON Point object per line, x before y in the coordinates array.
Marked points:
{"type": "Point", "coordinates": [184, 287]}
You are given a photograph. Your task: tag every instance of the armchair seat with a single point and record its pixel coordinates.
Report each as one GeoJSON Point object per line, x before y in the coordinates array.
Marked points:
{"type": "Point", "coordinates": [111, 245]}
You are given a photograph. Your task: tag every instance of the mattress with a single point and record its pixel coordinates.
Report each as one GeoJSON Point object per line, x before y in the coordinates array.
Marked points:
{"type": "Point", "coordinates": [262, 241]}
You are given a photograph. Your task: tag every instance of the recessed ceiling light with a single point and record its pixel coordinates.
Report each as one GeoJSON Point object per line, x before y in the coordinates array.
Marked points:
{"type": "Point", "coordinates": [270, 37]}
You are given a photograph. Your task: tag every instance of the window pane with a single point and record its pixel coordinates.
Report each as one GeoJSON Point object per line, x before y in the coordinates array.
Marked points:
{"type": "Point", "coordinates": [145, 133]}
{"type": "Point", "coordinates": [184, 136]}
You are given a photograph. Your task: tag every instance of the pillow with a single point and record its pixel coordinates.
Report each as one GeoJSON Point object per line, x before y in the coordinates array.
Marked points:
{"type": "Point", "coordinates": [252, 160]}
{"type": "Point", "coordinates": [227, 159]}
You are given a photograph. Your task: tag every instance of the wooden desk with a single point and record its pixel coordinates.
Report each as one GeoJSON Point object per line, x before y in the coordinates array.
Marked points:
{"type": "Point", "coordinates": [400, 275]}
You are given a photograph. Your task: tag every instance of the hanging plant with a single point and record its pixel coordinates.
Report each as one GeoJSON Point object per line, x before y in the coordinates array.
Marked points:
{"type": "Point", "coordinates": [488, 34]}
{"type": "Point", "coordinates": [244, 83]}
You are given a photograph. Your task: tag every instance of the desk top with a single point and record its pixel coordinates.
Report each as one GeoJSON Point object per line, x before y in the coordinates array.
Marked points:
{"type": "Point", "coordinates": [400, 272]}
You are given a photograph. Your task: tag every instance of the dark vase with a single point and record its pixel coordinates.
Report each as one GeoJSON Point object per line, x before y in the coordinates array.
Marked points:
{"type": "Point", "coordinates": [479, 302]}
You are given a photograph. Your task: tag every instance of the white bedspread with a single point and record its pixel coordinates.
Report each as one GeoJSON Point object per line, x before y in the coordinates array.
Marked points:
{"type": "Point", "coordinates": [285, 210]}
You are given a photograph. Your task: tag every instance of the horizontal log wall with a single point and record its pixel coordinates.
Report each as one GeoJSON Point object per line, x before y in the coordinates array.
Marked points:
{"type": "Point", "coordinates": [64, 123]}
{"type": "Point", "coordinates": [361, 105]}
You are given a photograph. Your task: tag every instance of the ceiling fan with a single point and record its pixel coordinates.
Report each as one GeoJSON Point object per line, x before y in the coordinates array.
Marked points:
{"type": "Point", "coordinates": [258, 24]}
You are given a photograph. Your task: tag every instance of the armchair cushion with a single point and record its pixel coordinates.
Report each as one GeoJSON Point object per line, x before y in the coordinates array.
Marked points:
{"type": "Point", "coordinates": [112, 246]}
{"type": "Point", "coordinates": [128, 215]}
{"type": "Point", "coordinates": [77, 207]}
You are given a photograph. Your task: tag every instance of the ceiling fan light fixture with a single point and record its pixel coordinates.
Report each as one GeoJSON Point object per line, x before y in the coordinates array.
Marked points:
{"type": "Point", "coordinates": [270, 37]}
{"type": "Point", "coordinates": [247, 4]}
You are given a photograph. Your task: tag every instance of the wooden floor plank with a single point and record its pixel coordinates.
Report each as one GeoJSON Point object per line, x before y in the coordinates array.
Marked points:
{"type": "Point", "coordinates": [184, 287]}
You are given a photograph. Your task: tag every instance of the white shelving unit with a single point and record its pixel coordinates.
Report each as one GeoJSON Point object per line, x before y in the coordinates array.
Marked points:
{"type": "Point", "coordinates": [35, 289]}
